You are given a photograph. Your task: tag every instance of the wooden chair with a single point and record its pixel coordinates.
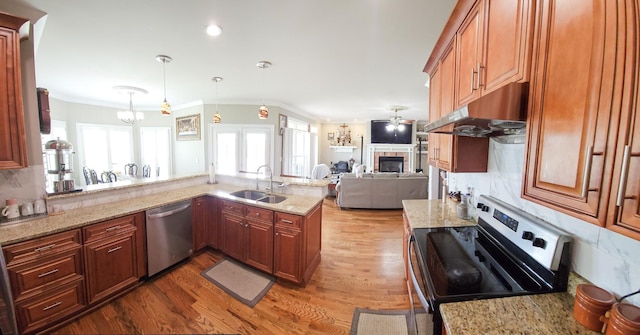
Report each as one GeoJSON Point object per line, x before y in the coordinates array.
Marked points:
{"type": "Point", "coordinates": [146, 171]}
{"type": "Point", "coordinates": [108, 177]}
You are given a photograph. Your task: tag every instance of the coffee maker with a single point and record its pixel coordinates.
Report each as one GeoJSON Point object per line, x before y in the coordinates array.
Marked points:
{"type": "Point", "coordinates": [59, 160]}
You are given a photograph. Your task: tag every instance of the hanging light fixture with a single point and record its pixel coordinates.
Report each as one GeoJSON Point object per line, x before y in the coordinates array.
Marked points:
{"type": "Point", "coordinates": [263, 111]}
{"type": "Point", "coordinates": [216, 116]}
{"type": "Point", "coordinates": [395, 122]}
{"type": "Point", "coordinates": [165, 107]}
{"type": "Point", "coordinates": [130, 117]}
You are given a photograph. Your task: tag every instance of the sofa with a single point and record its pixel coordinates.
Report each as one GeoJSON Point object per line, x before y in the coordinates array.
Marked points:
{"type": "Point", "coordinates": [380, 190]}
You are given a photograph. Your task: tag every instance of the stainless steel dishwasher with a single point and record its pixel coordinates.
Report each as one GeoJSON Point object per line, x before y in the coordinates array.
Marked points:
{"type": "Point", "coordinates": [169, 238]}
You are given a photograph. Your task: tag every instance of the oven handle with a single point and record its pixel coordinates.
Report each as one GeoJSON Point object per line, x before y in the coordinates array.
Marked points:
{"type": "Point", "coordinates": [414, 280]}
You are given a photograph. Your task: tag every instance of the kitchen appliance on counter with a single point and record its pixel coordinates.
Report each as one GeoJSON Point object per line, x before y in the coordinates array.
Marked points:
{"type": "Point", "coordinates": [59, 161]}
{"type": "Point", "coordinates": [508, 253]}
{"type": "Point", "coordinates": [8, 324]}
{"type": "Point", "coordinates": [169, 238]}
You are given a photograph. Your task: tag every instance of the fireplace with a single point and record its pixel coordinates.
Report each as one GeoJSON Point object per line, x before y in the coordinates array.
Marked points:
{"type": "Point", "coordinates": [390, 164]}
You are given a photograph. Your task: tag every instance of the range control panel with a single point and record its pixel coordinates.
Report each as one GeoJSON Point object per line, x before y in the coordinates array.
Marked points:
{"type": "Point", "coordinates": [511, 223]}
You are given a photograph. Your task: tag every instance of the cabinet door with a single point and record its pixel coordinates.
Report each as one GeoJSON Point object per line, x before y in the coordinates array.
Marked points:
{"type": "Point", "coordinates": [13, 153]}
{"type": "Point", "coordinates": [287, 261]}
{"type": "Point", "coordinates": [569, 157]}
{"type": "Point", "coordinates": [231, 233]}
{"type": "Point", "coordinates": [199, 219]}
{"type": "Point", "coordinates": [434, 114]}
{"type": "Point", "coordinates": [468, 44]}
{"type": "Point", "coordinates": [110, 265]}
{"type": "Point", "coordinates": [507, 43]}
{"type": "Point", "coordinates": [447, 86]}
{"type": "Point", "coordinates": [259, 243]}
{"type": "Point", "coordinates": [211, 219]}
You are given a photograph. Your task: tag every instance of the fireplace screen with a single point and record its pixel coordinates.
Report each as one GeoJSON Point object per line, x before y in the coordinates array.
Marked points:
{"type": "Point", "coordinates": [390, 164]}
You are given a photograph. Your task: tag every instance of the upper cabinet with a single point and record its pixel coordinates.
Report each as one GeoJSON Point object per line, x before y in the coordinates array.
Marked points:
{"type": "Point", "coordinates": [493, 48]}
{"type": "Point", "coordinates": [13, 153]}
{"type": "Point", "coordinates": [583, 154]}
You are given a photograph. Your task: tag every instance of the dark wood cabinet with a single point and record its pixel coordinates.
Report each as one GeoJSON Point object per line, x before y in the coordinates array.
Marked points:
{"type": "Point", "coordinates": [200, 222]}
{"type": "Point", "coordinates": [114, 255]}
{"type": "Point", "coordinates": [571, 148]}
{"type": "Point", "coordinates": [13, 153]}
{"type": "Point", "coordinates": [47, 279]}
{"type": "Point", "coordinates": [212, 217]}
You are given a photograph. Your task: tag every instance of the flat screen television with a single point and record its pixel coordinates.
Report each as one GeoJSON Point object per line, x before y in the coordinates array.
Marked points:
{"type": "Point", "coordinates": [380, 134]}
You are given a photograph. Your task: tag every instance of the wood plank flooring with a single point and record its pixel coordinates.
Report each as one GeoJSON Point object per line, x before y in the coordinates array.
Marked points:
{"type": "Point", "coordinates": [361, 267]}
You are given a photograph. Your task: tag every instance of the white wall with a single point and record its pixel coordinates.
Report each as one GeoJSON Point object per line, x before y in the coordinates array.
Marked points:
{"type": "Point", "coordinates": [605, 258]}
{"type": "Point", "coordinates": [188, 156]}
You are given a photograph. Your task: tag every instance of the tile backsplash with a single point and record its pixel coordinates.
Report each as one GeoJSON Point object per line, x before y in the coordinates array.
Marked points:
{"type": "Point", "coordinates": [603, 257]}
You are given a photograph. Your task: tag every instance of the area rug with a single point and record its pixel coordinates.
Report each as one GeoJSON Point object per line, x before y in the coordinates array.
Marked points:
{"type": "Point", "coordinates": [384, 322]}
{"type": "Point", "coordinates": [239, 281]}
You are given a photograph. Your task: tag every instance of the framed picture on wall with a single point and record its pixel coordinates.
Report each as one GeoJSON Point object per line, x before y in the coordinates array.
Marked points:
{"type": "Point", "coordinates": [330, 136]}
{"type": "Point", "coordinates": [188, 128]}
{"type": "Point", "coordinates": [282, 123]}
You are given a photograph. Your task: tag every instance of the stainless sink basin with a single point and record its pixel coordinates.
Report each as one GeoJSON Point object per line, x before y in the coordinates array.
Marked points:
{"type": "Point", "coordinates": [259, 196]}
{"type": "Point", "coordinates": [272, 199]}
{"type": "Point", "coordinates": [249, 194]}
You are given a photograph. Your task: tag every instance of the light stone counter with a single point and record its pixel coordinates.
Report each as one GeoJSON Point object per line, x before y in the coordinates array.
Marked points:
{"type": "Point", "coordinates": [78, 217]}
{"type": "Point", "coordinates": [424, 213]}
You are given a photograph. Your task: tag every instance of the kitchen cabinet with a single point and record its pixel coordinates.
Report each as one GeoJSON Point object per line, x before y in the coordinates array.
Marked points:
{"type": "Point", "coordinates": [13, 154]}
{"type": "Point", "coordinates": [204, 223]}
{"type": "Point", "coordinates": [212, 219]}
{"type": "Point", "coordinates": [47, 279]}
{"type": "Point", "coordinates": [297, 245]}
{"type": "Point", "coordinates": [448, 152]}
{"type": "Point", "coordinates": [576, 103]}
{"type": "Point", "coordinates": [493, 48]}
{"type": "Point", "coordinates": [247, 234]}
{"type": "Point", "coordinates": [114, 255]}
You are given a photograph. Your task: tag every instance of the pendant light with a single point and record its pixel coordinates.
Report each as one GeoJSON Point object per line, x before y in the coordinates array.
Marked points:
{"type": "Point", "coordinates": [130, 117]}
{"type": "Point", "coordinates": [395, 122]}
{"type": "Point", "coordinates": [165, 107]}
{"type": "Point", "coordinates": [263, 111]}
{"type": "Point", "coordinates": [216, 116]}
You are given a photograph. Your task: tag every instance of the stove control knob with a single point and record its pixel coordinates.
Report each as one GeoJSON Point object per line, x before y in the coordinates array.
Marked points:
{"type": "Point", "coordinates": [527, 235]}
{"type": "Point", "coordinates": [485, 208]}
{"type": "Point", "coordinates": [479, 255]}
{"type": "Point", "coordinates": [540, 243]}
{"type": "Point", "coordinates": [479, 205]}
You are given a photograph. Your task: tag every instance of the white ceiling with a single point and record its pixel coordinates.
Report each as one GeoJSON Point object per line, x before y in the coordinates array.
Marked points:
{"type": "Point", "coordinates": [333, 60]}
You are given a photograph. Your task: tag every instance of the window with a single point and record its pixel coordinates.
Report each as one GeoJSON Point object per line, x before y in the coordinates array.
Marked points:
{"type": "Point", "coordinates": [156, 150]}
{"type": "Point", "coordinates": [105, 148]}
{"type": "Point", "coordinates": [300, 149]}
{"type": "Point", "coordinates": [240, 147]}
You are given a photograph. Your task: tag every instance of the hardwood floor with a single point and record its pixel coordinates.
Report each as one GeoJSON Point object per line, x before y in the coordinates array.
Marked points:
{"type": "Point", "coordinates": [361, 267]}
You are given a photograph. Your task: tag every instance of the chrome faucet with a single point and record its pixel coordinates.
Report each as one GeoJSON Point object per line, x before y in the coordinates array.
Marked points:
{"type": "Point", "coordinates": [270, 177]}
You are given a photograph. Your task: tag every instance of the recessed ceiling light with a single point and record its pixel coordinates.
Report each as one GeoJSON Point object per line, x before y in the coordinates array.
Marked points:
{"type": "Point", "coordinates": [214, 30]}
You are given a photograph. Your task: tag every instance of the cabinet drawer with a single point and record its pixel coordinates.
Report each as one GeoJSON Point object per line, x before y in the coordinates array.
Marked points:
{"type": "Point", "coordinates": [233, 207]}
{"type": "Point", "coordinates": [259, 214]}
{"type": "Point", "coordinates": [34, 276]}
{"type": "Point", "coordinates": [41, 247]}
{"type": "Point", "coordinates": [109, 228]}
{"type": "Point", "coordinates": [290, 220]}
{"type": "Point", "coordinates": [44, 310]}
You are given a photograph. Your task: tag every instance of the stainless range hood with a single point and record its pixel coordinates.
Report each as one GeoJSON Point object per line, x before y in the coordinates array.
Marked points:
{"type": "Point", "coordinates": [500, 113]}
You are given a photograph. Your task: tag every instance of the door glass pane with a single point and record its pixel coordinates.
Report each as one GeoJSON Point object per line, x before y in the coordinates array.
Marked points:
{"type": "Point", "coordinates": [96, 151]}
{"type": "Point", "coordinates": [226, 153]}
{"type": "Point", "coordinates": [155, 150]}
{"type": "Point", "coordinates": [121, 150]}
{"type": "Point", "coordinates": [256, 150]}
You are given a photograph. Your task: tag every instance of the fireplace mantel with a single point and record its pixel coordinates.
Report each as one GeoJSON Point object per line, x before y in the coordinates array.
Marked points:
{"type": "Point", "coordinates": [372, 149]}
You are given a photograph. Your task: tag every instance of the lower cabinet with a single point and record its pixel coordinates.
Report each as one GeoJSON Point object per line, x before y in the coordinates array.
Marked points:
{"type": "Point", "coordinates": [287, 242]}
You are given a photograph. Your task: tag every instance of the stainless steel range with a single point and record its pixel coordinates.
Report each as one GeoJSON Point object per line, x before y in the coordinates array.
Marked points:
{"type": "Point", "coordinates": [508, 253]}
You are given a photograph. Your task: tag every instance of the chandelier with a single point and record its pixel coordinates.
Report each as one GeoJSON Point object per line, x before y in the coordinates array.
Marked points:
{"type": "Point", "coordinates": [395, 122]}
{"type": "Point", "coordinates": [130, 117]}
{"type": "Point", "coordinates": [263, 111]}
{"type": "Point", "coordinates": [216, 117]}
{"type": "Point", "coordinates": [165, 107]}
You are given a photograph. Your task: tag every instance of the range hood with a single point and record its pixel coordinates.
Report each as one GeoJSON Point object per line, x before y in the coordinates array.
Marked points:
{"type": "Point", "coordinates": [501, 113]}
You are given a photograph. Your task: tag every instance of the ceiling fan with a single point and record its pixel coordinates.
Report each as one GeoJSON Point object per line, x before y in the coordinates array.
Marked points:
{"type": "Point", "coordinates": [396, 121]}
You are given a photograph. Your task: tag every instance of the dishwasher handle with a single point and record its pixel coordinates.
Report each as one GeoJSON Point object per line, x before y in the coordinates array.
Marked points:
{"type": "Point", "coordinates": [171, 212]}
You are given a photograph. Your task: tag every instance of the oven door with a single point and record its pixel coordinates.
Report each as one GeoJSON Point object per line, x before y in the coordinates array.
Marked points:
{"type": "Point", "coordinates": [420, 305]}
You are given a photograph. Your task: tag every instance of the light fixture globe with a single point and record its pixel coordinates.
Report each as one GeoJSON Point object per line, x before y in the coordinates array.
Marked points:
{"type": "Point", "coordinates": [395, 121]}
{"type": "Point", "coordinates": [130, 117]}
{"type": "Point", "coordinates": [263, 111]}
{"type": "Point", "coordinates": [216, 117]}
{"type": "Point", "coordinates": [165, 107]}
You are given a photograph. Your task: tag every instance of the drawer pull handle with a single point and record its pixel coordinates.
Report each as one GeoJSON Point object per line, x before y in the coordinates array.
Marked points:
{"type": "Point", "coordinates": [48, 273]}
{"type": "Point", "coordinates": [113, 228]}
{"type": "Point", "coordinates": [46, 247]}
{"type": "Point", "coordinates": [52, 306]}
{"type": "Point", "coordinates": [114, 249]}
{"type": "Point", "coordinates": [286, 221]}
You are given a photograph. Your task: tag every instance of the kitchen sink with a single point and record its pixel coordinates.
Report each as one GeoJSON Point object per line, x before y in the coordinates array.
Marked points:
{"type": "Point", "coordinates": [272, 199]}
{"type": "Point", "coordinates": [259, 196]}
{"type": "Point", "coordinates": [249, 194]}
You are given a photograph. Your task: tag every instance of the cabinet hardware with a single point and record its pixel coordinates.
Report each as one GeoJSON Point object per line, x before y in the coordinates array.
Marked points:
{"type": "Point", "coordinates": [480, 81]}
{"type": "Point", "coordinates": [277, 234]}
{"type": "Point", "coordinates": [114, 249]}
{"type": "Point", "coordinates": [287, 221]}
{"type": "Point", "coordinates": [622, 186]}
{"type": "Point", "coordinates": [48, 273]}
{"type": "Point", "coordinates": [113, 228]}
{"type": "Point", "coordinates": [257, 214]}
{"type": "Point", "coordinates": [46, 247]}
{"type": "Point", "coordinates": [473, 78]}
{"type": "Point", "coordinates": [586, 178]}
{"type": "Point", "coordinates": [52, 306]}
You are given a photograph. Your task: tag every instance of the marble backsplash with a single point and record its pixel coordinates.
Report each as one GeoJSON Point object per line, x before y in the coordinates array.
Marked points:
{"type": "Point", "coordinates": [603, 257]}
{"type": "Point", "coordinates": [24, 185]}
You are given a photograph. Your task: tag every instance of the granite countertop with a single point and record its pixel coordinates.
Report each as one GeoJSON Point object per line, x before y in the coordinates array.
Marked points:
{"type": "Point", "coordinates": [13, 233]}
{"type": "Point", "coordinates": [532, 314]}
